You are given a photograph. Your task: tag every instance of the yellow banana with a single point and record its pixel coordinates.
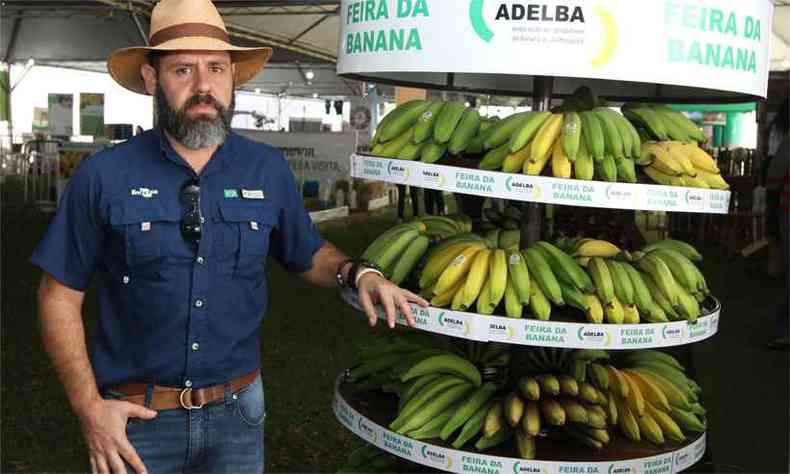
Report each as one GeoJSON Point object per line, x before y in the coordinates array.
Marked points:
{"type": "Point", "coordinates": [662, 178]}
{"type": "Point", "coordinates": [635, 399]}
{"type": "Point", "coordinates": [445, 298]}
{"type": "Point", "coordinates": [514, 162]}
{"type": "Point", "coordinates": [701, 159]}
{"type": "Point", "coordinates": [497, 274]}
{"type": "Point", "coordinates": [650, 391]}
{"type": "Point", "coordinates": [595, 313]}
{"type": "Point", "coordinates": [513, 307]}
{"type": "Point", "coordinates": [538, 303]}
{"type": "Point", "coordinates": [596, 248]}
{"type": "Point", "coordinates": [494, 419]}
{"type": "Point", "coordinates": [530, 422]}
{"type": "Point", "coordinates": [650, 428]}
{"type": "Point", "coordinates": [694, 182]}
{"type": "Point", "coordinates": [630, 314]}
{"type": "Point", "coordinates": [547, 135]}
{"type": "Point", "coordinates": [661, 160]}
{"type": "Point", "coordinates": [667, 424]}
{"type": "Point", "coordinates": [560, 164]}
{"type": "Point", "coordinates": [513, 409]}
{"type": "Point", "coordinates": [439, 261]}
{"type": "Point", "coordinates": [678, 153]}
{"type": "Point", "coordinates": [627, 421]}
{"type": "Point", "coordinates": [714, 180]}
{"type": "Point", "coordinates": [456, 270]}
{"type": "Point", "coordinates": [478, 274]}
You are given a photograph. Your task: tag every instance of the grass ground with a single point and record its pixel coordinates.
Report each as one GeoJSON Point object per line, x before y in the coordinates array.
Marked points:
{"type": "Point", "coordinates": [306, 344]}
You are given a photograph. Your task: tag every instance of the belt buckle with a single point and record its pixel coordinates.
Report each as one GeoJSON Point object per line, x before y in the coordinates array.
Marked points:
{"type": "Point", "coordinates": [188, 406]}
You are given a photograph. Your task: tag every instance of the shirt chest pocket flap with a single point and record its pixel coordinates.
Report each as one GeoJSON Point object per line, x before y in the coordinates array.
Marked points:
{"type": "Point", "coordinates": [251, 223]}
{"type": "Point", "coordinates": [144, 226]}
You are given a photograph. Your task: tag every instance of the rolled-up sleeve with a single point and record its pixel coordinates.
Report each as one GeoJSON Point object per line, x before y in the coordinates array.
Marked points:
{"type": "Point", "coordinates": [295, 239]}
{"type": "Point", "coordinates": [73, 244]}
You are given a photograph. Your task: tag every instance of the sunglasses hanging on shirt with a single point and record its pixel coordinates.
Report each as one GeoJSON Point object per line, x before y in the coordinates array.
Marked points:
{"type": "Point", "coordinates": [192, 219]}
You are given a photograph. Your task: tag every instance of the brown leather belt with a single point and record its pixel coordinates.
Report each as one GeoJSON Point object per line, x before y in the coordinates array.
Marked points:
{"type": "Point", "coordinates": [167, 398]}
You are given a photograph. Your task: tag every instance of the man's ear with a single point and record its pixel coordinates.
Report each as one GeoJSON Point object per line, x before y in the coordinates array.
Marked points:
{"type": "Point", "coordinates": [149, 78]}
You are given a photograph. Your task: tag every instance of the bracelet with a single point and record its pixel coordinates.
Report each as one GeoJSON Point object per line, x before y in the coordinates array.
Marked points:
{"type": "Point", "coordinates": [342, 282]}
{"type": "Point", "coordinates": [362, 272]}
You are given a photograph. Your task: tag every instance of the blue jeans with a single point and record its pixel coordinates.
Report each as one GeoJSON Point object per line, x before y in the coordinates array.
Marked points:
{"type": "Point", "coordinates": [225, 436]}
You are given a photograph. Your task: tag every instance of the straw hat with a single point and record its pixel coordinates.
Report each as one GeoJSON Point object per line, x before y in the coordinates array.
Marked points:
{"type": "Point", "coordinates": [184, 25]}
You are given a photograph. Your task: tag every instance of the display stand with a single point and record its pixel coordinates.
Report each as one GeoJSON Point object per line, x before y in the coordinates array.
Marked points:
{"type": "Point", "coordinates": [651, 51]}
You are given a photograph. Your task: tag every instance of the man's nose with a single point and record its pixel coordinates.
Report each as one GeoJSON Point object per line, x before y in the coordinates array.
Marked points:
{"type": "Point", "coordinates": [202, 84]}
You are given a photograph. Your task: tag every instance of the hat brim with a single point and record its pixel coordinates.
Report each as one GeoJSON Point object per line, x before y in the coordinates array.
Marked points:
{"type": "Point", "coordinates": [124, 64]}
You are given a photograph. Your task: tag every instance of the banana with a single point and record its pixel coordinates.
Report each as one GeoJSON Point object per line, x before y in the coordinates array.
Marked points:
{"type": "Point", "coordinates": [627, 422]}
{"type": "Point", "coordinates": [677, 245]}
{"type": "Point", "coordinates": [583, 167]}
{"type": "Point", "coordinates": [662, 178]}
{"type": "Point", "coordinates": [497, 275]}
{"type": "Point", "coordinates": [689, 128]}
{"type": "Point", "coordinates": [649, 356]}
{"type": "Point", "coordinates": [509, 239]}
{"type": "Point", "coordinates": [606, 169]}
{"type": "Point", "coordinates": [484, 305]}
{"type": "Point", "coordinates": [432, 152]}
{"type": "Point", "coordinates": [602, 279]}
{"type": "Point", "coordinates": [569, 387]}
{"type": "Point", "coordinates": [641, 295]}
{"type": "Point", "coordinates": [530, 422]}
{"type": "Point", "coordinates": [650, 391]}
{"type": "Point", "coordinates": [649, 118]}
{"type": "Point", "coordinates": [467, 409]}
{"type": "Point", "coordinates": [596, 248]}
{"type": "Point", "coordinates": [472, 426]}
{"type": "Point", "coordinates": [494, 420]}
{"type": "Point", "coordinates": [677, 153]}
{"type": "Point", "coordinates": [446, 298]}
{"type": "Point", "coordinates": [414, 251]}
{"type": "Point", "coordinates": [525, 444]}
{"type": "Point", "coordinates": [565, 267]}
{"type": "Point", "coordinates": [560, 164]}
{"type": "Point", "coordinates": [494, 159]}
{"type": "Point", "coordinates": [650, 428]}
{"type": "Point", "coordinates": [513, 307]}
{"type": "Point", "coordinates": [446, 363]}
{"type": "Point", "coordinates": [595, 314]}
{"type": "Point", "coordinates": [384, 240]}
{"type": "Point", "coordinates": [545, 138]}
{"type": "Point", "coordinates": [434, 407]}
{"type": "Point", "coordinates": [623, 288]}
{"type": "Point", "coordinates": [529, 388]}
{"type": "Point", "coordinates": [488, 442]}
{"type": "Point", "coordinates": [538, 303]}
{"type": "Point", "coordinates": [394, 249]}
{"type": "Point", "coordinates": [411, 151]}
{"type": "Point", "coordinates": [662, 276]}
{"type": "Point", "coordinates": [683, 269]}
{"type": "Point", "coordinates": [464, 132]}
{"type": "Point", "coordinates": [600, 376]}
{"type": "Point", "coordinates": [574, 411]}
{"type": "Point", "coordinates": [600, 435]}
{"type": "Point", "coordinates": [401, 119]}
{"type": "Point", "coordinates": [660, 159]}
{"type": "Point", "coordinates": [501, 132]}
{"type": "Point", "coordinates": [694, 182]}
{"type": "Point", "coordinates": [660, 299]}
{"type": "Point", "coordinates": [513, 409]}
{"type": "Point", "coordinates": [593, 134]}
{"type": "Point", "coordinates": [540, 271]}
{"type": "Point", "coordinates": [478, 273]}
{"type": "Point", "coordinates": [456, 303]}
{"type": "Point", "coordinates": [698, 409]}
{"type": "Point", "coordinates": [630, 314]}
{"type": "Point", "coordinates": [689, 306]}
{"type": "Point", "coordinates": [701, 160]}
{"type": "Point", "coordinates": [414, 387]}
{"type": "Point", "coordinates": [492, 237]}
{"type": "Point", "coordinates": [549, 384]}
{"type": "Point", "coordinates": [686, 420]}
{"type": "Point", "coordinates": [714, 181]}
{"type": "Point", "coordinates": [668, 426]}
{"type": "Point", "coordinates": [574, 297]}
{"type": "Point", "coordinates": [552, 411]}
{"type": "Point", "coordinates": [456, 270]}
{"type": "Point", "coordinates": [517, 269]}
{"type": "Point", "coordinates": [423, 396]}
{"type": "Point", "coordinates": [448, 119]}
{"type": "Point", "coordinates": [588, 393]}
{"type": "Point", "coordinates": [577, 434]}
{"type": "Point", "coordinates": [631, 141]}
{"type": "Point", "coordinates": [527, 130]}
{"type": "Point", "coordinates": [423, 129]}
{"type": "Point", "coordinates": [514, 162]}
{"type": "Point", "coordinates": [613, 144]}
{"type": "Point", "coordinates": [635, 399]}
{"type": "Point", "coordinates": [675, 396]}
{"type": "Point", "coordinates": [626, 170]}
{"type": "Point", "coordinates": [619, 384]}
{"type": "Point", "coordinates": [596, 416]}
{"type": "Point", "coordinates": [438, 261]}
{"type": "Point", "coordinates": [571, 134]}
{"type": "Point", "coordinates": [433, 427]}
{"type": "Point", "coordinates": [392, 148]}
{"type": "Point", "coordinates": [579, 370]}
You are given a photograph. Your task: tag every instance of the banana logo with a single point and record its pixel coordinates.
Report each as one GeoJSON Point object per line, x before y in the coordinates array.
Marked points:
{"type": "Point", "coordinates": [517, 468]}
{"type": "Point", "coordinates": [611, 37]}
{"type": "Point", "coordinates": [605, 338]}
{"type": "Point", "coordinates": [478, 23]}
{"type": "Point", "coordinates": [441, 318]}
{"type": "Point", "coordinates": [511, 333]}
{"type": "Point", "coordinates": [533, 189]}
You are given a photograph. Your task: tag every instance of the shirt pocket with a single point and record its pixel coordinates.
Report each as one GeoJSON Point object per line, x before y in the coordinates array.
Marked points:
{"type": "Point", "coordinates": [248, 226]}
{"type": "Point", "coordinates": [145, 227]}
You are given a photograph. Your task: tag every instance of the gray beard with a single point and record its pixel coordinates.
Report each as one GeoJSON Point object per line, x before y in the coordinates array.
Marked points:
{"type": "Point", "coordinates": [194, 133]}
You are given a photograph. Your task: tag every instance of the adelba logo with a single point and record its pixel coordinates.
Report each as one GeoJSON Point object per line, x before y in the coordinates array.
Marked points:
{"type": "Point", "coordinates": [615, 469]}
{"type": "Point", "coordinates": [515, 185]}
{"type": "Point", "coordinates": [569, 13]}
{"type": "Point", "coordinates": [367, 431]}
{"type": "Point", "coordinates": [523, 468]}
{"type": "Point", "coordinates": [436, 456]}
{"type": "Point", "coordinates": [594, 335]}
{"type": "Point", "coordinates": [453, 323]}
{"type": "Point", "coordinates": [695, 199]}
{"type": "Point", "coordinates": [397, 170]}
{"type": "Point", "coordinates": [672, 332]}
{"type": "Point", "coordinates": [502, 330]}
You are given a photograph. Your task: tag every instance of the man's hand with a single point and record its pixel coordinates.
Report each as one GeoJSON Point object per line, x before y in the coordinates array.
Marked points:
{"type": "Point", "coordinates": [104, 429]}
{"type": "Point", "coordinates": [374, 288]}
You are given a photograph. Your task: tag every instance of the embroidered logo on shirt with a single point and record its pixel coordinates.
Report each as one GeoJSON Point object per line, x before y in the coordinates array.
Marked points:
{"type": "Point", "coordinates": [145, 192]}
{"type": "Point", "coordinates": [231, 193]}
{"type": "Point", "coordinates": [252, 193]}
{"type": "Point", "coordinates": [145, 226]}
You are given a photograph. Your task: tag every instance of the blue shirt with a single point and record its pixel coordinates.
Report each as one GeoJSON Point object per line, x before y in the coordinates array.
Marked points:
{"type": "Point", "coordinates": [171, 312]}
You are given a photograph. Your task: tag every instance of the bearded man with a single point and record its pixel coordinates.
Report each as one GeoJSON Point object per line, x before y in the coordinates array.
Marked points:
{"type": "Point", "coordinates": [176, 225]}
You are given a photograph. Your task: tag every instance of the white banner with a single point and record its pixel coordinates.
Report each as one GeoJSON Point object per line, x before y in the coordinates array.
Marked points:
{"type": "Point", "coordinates": [311, 156]}
{"type": "Point", "coordinates": [532, 332]}
{"type": "Point", "coordinates": [714, 44]}
{"type": "Point", "coordinates": [452, 460]}
{"type": "Point", "coordinates": [520, 187]}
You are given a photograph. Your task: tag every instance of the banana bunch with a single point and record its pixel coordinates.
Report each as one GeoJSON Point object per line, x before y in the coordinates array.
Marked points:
{"type": "Point", "coordinates": [654, 399]}
{"type": "Point", "coordinates": [368, 458]}
{"type": "Point", "coordinates": [675, 163]}
{"type": "Point", "coordinates": [660, 122]}
{"type": "Point", "coordinates": [510, 219]}
{"type": "Point", "coordinates": [398, 250]}
{"type": "Point", "coordinates": [428, 130]}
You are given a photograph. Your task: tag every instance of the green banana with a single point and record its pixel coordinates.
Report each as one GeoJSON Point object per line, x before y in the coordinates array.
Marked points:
{"type": "Point", "coordinates": [538, 303]}
{"type": "Point", "coordinates": [401, 119]}
{"type": "Point", "coordinates": [464, 132]}
{"type": "Point", "coordinates": [409, 258]}
{"type": "Point", "coordinates": [573, 297]}
{"type": "Point", "coordinates": [500, 133]}
{"type": "Point", "coordinates": [606, 168]}
{"type": "Point", "coordinates": [613, 144]}
{"type": "Point", "coordinates": [447, 121]}
{"type": "Point", "coordinates": [677, 245]}
{"type": "Point", "coordinates": [392, 148]}
{"type": "Point", "coordinates": [680, 120]}
{"type": "Point", "coordinates": [626, 169]}
{"type": "Point", "coordinates": [681, 267]}
{"type": "Point", "coordinates": [426, 393]}
{"type": "Point", "coordinates": [602, 278]}
{"type": "Point", "coordinates": [449, 364]}
{"type": "Point", "coordinates": [526, 130]}
{"type": "Point", "coordinates": [599, 375]}
{"type": "Point", "coordinates": [414, 387]}
{"type": "Point", "coordinates": [689, 306]}
{"type": "Point", "coordinates": [517, 270]}
{"type": "Point", "coordinates": [648, 118]}
{"type": "Point", "coordinates": [513, 307]}
{"type": "Point", "coordinates": [662, 277]}
{"type": "Point", "coordinates": [434, 407]}
{"type": "Point", "coordinates": [583, 167]}
{"type": "Point", "coordinates": [642, 298]}
{"type": "Point", "coordinates": [565, 267]}
{"type": "Point", "coordinates": [687, 421]}
{"type": "Point", "coordinates": [473, 426]}
{"type": "Point", "coordinates": [571, 134]}
{"type": "Point", "coordinates": [423, 129]}
{"type": "Point", "coordinates": [623, 288]}
{"type": "Point", "coordinates": [653, 356]}
{"type": "Point", "coordinates": [540, 270]}
{"type": "Point", "coordinates": [660, 299]}
{"type": "Point", "coordinates": [485, 443]}
{"type": "Point", "coordinates": [433, 427]}
{"type": "Point", "coordinates": [468, 408]}
{"type": "Point", "coordinates": [593, 135]}
{"type": "Point", "coordinates": [411, 151]}
{"type": "Point", "coordinates": [432, 152]}
{"type": "Point", "coordinates": [494, 158]}
{"type": "Point", "coordinates": [395, 248]}
{"type": "Point", "coordinates": [529, 388]}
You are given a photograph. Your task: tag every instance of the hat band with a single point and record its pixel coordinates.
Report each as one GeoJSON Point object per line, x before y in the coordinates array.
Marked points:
{"type": "Point", "coordinates": [186, 30]}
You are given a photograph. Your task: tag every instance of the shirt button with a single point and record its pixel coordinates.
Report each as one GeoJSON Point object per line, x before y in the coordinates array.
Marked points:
{"type": "Point", "coordinates": [198, 303]}
{"type": "Point", "coordinates": [188, 383]}
{"type": "Point", "coordinates": [200, 260]}
{"type": "Point", "coordinates": [126, 279]}
{"type": "Point", "coordinates": [195, 346]}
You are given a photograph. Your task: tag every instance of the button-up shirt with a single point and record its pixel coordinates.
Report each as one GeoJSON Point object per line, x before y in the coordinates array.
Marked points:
{"type": "Point", "coordinates": [173, 312]}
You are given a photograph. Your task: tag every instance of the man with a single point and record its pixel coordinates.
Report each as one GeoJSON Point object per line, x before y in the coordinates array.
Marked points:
{"type": "Point", "coordinates": [176, 224]}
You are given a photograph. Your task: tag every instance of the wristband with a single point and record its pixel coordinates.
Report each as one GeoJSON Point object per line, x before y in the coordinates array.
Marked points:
{"type": "Point", "coordinates": [342, 282]}
{"type": "Point", "coordinates": [362, 272]}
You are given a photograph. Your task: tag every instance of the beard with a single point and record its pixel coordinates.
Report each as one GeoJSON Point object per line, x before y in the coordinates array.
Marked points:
{"type": "Point", "coordinates": [201, 131]}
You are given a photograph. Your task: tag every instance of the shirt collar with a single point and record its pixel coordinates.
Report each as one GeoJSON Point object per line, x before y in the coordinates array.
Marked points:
{"type": "Point", "coordinates": [219, 160]}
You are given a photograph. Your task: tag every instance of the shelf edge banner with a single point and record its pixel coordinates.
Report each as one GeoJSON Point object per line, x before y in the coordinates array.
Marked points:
{"type": "Point", "coordinates": [712, 44]}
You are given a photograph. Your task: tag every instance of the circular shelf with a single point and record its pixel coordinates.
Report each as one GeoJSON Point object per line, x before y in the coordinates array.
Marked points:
{"type": "Point", "coordinates": [560, 334]}
{"type": "Point", "coordinates": [366, 415]}
{"type": "Point", "coordinates": [540, 189]}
